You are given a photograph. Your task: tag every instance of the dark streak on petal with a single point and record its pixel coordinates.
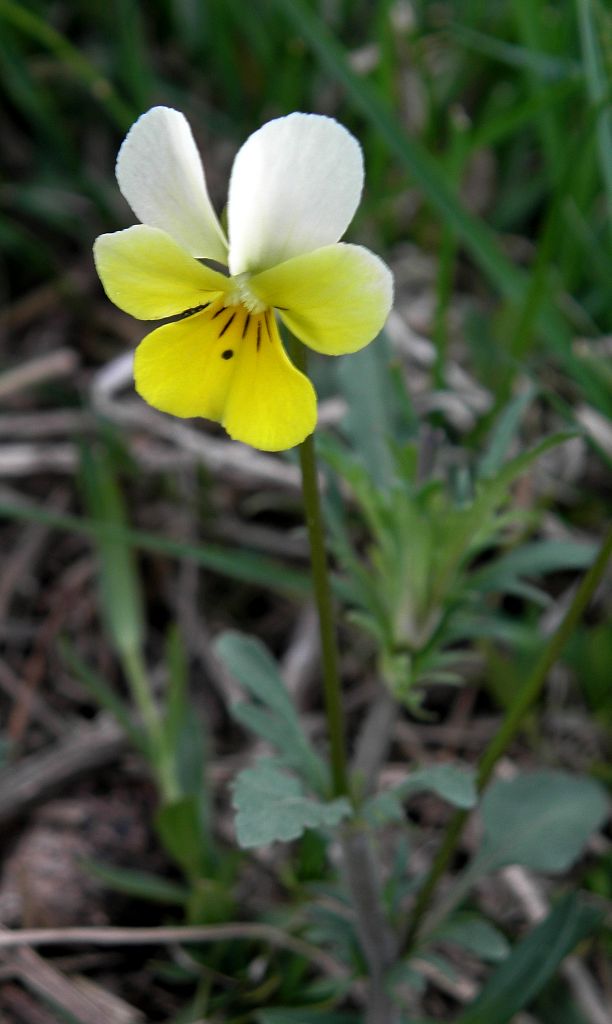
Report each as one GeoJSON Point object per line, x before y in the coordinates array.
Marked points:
{"type": "Point", "coordinates": [246, 325]}
{"type": "Point", "coordinates": [258, 334]}
{"type": "Point", "coordinates": [232, 317]}
{"type": "Point", "coordinates": [194, 309]}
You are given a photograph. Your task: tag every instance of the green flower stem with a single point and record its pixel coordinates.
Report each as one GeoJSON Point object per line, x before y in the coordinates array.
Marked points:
{"type": "Point", "coordinates": [359, 863]}
{"type": "Point", "coordinates": [525, 698]}
{"type": "Point", "coordinates": [378, 942]}
{"type": "Point", "coordinates": [320, 577]}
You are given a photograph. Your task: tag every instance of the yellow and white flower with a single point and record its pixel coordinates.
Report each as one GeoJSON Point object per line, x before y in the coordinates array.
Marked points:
{"type": "Point", "coordinates": [294, 188]}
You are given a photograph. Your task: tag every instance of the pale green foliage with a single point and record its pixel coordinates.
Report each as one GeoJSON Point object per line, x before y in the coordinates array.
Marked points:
{"type": "Point", "coordinates": [271, 805]}
{"type": "Point", "coordinates": [418, 591]}
{"type": "Point", "coordinates": [451, 783]}
{"type": "Point", "coordinates": [540, 819]}
{"type": "Point", "coordinates": [270, 713]}
{"type": "Point", "coordinates": [476, 934]}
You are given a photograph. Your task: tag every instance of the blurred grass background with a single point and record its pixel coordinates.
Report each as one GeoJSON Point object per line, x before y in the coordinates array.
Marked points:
{"type": "Point", "coordinates": [486, 126]}
{"type": "Point", "coordinates": [487, 130]}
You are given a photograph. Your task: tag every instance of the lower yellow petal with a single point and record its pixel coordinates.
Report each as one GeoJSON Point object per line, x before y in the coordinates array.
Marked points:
{"type": "Point", "coordinates": [335, 299]}
{"type": "Point", "coordinates": [228, 365]}
{"type": "Point", "coordinates": [184, 369]}
{"type": "Point", "coordinates": [148, 275]}
{"type": "Point", "coordinates": [270, 405]}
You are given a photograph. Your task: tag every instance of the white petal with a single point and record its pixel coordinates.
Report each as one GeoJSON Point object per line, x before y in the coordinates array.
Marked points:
{"type": "Point", "coordinates": [161, 175]}
{"type": "Point", "coordinates": [295, 186]}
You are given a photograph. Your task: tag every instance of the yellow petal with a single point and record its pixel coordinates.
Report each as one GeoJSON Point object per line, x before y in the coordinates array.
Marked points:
{"type": "Point", "coordinates": [228, 365]}
{"type": "Point", "coordinates": [335, 299]}
{"type": "Point", "coordinates": [148, 275]}
{"type": "Point", "coordinates": [270, 404]}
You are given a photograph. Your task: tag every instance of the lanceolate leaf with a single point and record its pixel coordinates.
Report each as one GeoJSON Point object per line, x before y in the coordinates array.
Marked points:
{"type": "Point", "coordinates": [120, 593]}
{"type": "Point", "coordinates": [516, 982]}
{"type": "Point", "coordinates": [140, 884]}
{"type": "Point", "coordinates": [476, 934]}
{"type": "Point", "coordinates": [241, 565]}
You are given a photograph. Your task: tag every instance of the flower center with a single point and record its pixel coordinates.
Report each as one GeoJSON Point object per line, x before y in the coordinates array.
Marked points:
{"type": "Point", "coordinates": [241, 294]}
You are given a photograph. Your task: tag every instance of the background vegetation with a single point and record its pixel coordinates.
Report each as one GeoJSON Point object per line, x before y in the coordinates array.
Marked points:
{"type": "Point", "coordinates": [487, 131]}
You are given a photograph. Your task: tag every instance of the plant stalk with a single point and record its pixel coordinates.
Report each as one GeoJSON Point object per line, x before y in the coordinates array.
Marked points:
{"type": "Point", "coordinates": [378, 942]}
{"type": "Point", "coordinates": [525, 698]}
{"type": "Point", "coordinates": [320, 577]}
{"type": "Point", "coordinates": [376, 938]}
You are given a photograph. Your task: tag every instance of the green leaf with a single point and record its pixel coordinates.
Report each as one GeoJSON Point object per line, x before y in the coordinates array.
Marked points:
{"type": "Point", "coordinates": [545, 66]}
{"type": "Point", "coordinates": [272, 716]}
{"type": "Point", "coordinates": [239, 565]}
{"type": "Point", "coordinates": [516, 982]}
{"type": "Point", "coordinates": [120, 593]}
{"type": "Point", "coordinates": [72, 60]}
{"type": "Point", "coordinates": [364, 380]}
{"type": "Point", "coordinates": [180, 827]}
{"type": "Point", "coordinates": [141, 884]}
{"type": "Point", "coordinates": [535, 559]}
{"type": "Point", "coordinates": [475, 934]}
{"type": "Point", "coordinates": [178, 706]}
{"type": "Point", "coordinates": [184, 731]}
{"type": "Point", "coordinates": [596, 62]}
{"type": "Point", "coordinates": [503, 433]}
{"type": "Point", "coordinates": [103, 694]}
{"type": "Point", "coordinates": [454, 784]}
{"type": "Point", "coordinates": [271, 806]}
{"type": "Point", "coordinates": [304, 1015]}
{"type": "Point", "coordinates": [423, 168]}
{"type": "Point", "coordinates": [540, 820]}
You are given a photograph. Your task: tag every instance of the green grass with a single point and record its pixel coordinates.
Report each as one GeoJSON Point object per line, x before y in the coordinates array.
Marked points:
{"type": "Point", "coordinates": [525, 86]}
{"type": "Point", "coordinates": [528, 82]}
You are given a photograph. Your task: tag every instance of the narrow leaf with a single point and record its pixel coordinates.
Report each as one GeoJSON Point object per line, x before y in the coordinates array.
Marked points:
{"type": "Point", "coordinates": [141, 884]}
{"type": "Point", "coordinates": [516, 982]}
{"type": "Point", "coordinates": [103, 694]}
{"type": "Point", "coordinates": [239, 565]}
{"type": "Point", "coordinates": [475, 934]}
{"type": "Point", "coordinates": [120, 593]}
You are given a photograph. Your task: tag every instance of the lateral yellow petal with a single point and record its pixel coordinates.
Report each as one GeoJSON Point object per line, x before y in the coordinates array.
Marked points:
{"type": "Point", "coordinates": [185, 368]}
{"type": "Point", "coordinates": [335, 299]}
{"type": "Point", "coordinates": [270, 404]}
{"type": "Point", "coordinates": [147, 274]}
{"type": "Point", "coordinates": [228, 365]}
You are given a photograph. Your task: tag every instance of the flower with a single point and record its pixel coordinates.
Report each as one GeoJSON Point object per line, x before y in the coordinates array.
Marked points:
{"type": "Point", "coordinates": [294, 188]}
